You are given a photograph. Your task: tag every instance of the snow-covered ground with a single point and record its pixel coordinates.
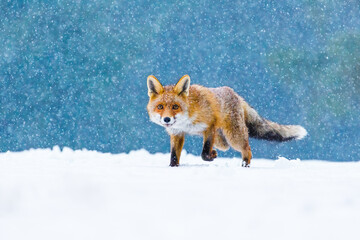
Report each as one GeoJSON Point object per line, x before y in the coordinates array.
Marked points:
{"type": "Point", "coordinates": [53, 194]}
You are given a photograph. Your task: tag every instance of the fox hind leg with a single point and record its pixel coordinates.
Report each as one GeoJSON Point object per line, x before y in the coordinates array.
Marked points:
{"type": "Point", "coordinates": [246, 155]}
{"type": "Point", "coordinates": [237, 136]}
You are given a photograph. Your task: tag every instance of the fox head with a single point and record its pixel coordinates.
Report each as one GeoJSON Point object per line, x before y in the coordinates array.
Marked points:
{"type": "Point", "coordinates": [168, 105]}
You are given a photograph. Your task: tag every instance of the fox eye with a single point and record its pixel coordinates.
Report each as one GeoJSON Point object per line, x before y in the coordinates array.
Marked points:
{"type": "Point", "coordinates": [160, 106]}
{"type": "Point", "coordinates": [175, 107]}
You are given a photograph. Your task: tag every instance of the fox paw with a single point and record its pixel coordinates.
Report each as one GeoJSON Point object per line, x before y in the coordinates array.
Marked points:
{"type": "Point", "coordinates": [214, 154]}
{"type": "Point", "coordinates": [209, 157]}
{"type": "Point", "coordinates": [174, 164]}
{"type": "Point", "coordinates": [245, 164]}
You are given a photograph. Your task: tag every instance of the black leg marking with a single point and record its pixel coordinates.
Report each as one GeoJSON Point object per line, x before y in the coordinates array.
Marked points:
{"type": "Point", "coordinates": [206, 155]}
{"type": "Point", "coordinates": [173, 159]}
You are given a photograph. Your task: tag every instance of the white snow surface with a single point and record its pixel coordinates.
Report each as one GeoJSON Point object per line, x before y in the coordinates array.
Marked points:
{"type": "Point", "coordinates": [53, 194]}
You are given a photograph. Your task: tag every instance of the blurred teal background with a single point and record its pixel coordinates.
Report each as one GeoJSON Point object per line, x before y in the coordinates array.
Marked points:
{"type": "Point", "coordinates": [73, 73]}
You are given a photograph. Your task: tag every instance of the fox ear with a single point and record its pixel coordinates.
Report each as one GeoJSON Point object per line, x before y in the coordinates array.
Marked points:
{"type": "Point", "coordinates": [154, 86]}
{"type": "Point", "coordinates": [183, 85]}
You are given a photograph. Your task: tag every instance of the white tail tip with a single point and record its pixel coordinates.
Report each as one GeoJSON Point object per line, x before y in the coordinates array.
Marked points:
{"type": "Point", "coordinates": [300, 133]}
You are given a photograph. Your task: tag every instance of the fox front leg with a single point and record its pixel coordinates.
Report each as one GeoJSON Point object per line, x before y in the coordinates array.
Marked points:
{"type": "Point", "coordinates": [177, 143]}
{"type": "Point", "coordinates": [208, 153]}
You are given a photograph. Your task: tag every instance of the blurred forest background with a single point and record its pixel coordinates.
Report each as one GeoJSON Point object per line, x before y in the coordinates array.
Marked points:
{"type": "Point", "coordinates": [73, 73]}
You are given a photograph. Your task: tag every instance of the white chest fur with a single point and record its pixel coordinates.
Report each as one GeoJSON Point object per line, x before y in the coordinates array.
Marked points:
{"type": "Point", "coordinates": [185, 124]}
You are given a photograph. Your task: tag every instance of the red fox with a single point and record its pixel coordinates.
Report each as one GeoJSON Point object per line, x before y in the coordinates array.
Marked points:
{"type": "Point", "coordinates": [219, 114]}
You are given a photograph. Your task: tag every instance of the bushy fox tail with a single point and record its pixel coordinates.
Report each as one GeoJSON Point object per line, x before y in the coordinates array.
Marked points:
{"type": "Point", "coordinates": [264, 129]}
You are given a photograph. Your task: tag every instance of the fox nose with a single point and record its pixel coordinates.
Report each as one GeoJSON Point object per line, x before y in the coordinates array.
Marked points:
{"type": "Point", "coordinates": [167, 119]}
